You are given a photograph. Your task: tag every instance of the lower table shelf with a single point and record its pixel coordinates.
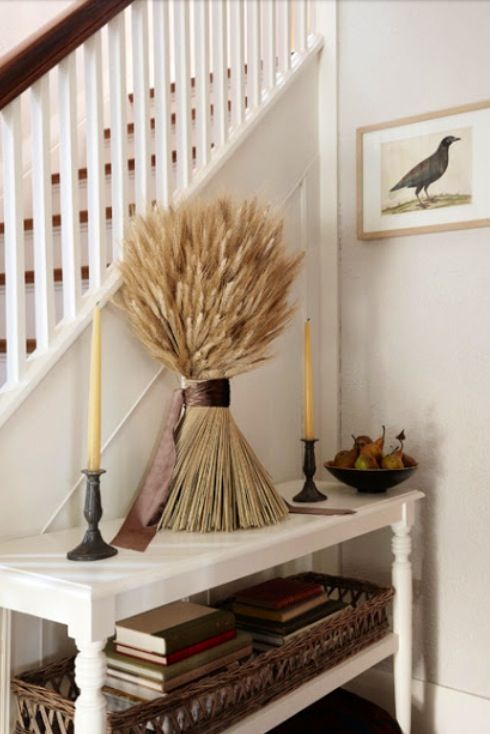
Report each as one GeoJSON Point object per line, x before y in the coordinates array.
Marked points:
{"type": "Point", "coordinates": [270, 684]}
{"type": "Point", "coordinates": [278, 711]}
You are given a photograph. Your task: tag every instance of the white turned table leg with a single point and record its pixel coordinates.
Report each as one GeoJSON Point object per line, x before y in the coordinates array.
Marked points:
{"type": "Point", "coordinates": [5, 646]}
{"type": "Point", "coordinates": [90, 672]}
{"type": "Point", "coordinates": [402, 622]}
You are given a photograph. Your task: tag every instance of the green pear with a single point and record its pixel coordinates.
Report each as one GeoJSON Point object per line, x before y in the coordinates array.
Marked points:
{"type": "Point", "coordinates": [366, 461]}
{"type": "Point", "coordinates": [395, 459]}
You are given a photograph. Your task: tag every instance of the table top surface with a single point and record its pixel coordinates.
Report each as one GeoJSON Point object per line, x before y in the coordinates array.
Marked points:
{"type": "Point", "coordinates": [42, 558]}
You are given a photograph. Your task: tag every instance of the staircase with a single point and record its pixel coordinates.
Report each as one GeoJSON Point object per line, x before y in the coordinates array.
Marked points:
{"type": "Point", "coordinates": [111, 107]}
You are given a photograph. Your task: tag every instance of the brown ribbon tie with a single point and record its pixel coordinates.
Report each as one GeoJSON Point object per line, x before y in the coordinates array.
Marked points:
{"type": "Point", "coordinates": [140, 526]}
{"type": "Point", "coordinates": [309, 510]}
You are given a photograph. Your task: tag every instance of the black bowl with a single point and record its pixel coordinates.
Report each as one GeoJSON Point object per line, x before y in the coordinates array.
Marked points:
{"type": "Point", "coordinates": [370, 481]}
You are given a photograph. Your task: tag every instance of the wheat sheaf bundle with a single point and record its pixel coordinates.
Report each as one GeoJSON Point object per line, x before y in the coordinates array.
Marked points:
{"type": "Point", "coordinates": [205, 287]}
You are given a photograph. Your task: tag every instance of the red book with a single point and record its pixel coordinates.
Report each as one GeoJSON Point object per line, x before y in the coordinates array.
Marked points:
{"type": "Point", "coordinates": [174, 657]}
{"type": "Point", "coordinates": [279, 593]}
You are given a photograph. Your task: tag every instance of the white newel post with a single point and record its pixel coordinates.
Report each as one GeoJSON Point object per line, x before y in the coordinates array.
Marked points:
{"type": "Point", "coordinates": [402, 618]}
{"type": "Point", "coordinates": [90, 672]}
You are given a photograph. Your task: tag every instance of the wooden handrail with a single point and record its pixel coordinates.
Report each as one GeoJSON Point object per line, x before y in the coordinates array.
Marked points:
{"type": "Point", "coordinates": [41, 51]}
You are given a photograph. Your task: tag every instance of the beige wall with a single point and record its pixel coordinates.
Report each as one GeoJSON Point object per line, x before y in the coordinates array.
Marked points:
{"type": "Point", "coordinates": [415, 329]}
{"type": "Point", "coordinates": [20, 18]}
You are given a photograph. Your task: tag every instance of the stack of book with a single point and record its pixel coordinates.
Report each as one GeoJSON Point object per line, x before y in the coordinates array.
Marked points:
{"type": "Point", "coordinates": [155, 652]}
{"type": "Point", "coordinates": [274, 611]}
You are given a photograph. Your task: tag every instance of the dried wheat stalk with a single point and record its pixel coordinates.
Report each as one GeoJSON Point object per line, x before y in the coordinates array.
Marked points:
{"type": "Point", "coordinates": [206, 290]}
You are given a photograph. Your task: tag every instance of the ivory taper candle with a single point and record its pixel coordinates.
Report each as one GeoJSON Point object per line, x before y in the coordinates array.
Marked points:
{"type": "Point", "coordinates": [94, 395]}
{"type": "Point", "coordinates": [308, 375]}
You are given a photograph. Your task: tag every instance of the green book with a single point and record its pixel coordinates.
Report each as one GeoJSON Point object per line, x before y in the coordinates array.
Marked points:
{"type": "Point", "coordinates": [172, 627]}
{"type": "Point", "coordinates": [160, 673]}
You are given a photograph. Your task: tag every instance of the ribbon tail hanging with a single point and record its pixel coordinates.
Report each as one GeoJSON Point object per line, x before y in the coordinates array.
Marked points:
{"type": "Point", "coordinates": [140, 526]}
{"type": "Point", "coordinates": [309, 510]}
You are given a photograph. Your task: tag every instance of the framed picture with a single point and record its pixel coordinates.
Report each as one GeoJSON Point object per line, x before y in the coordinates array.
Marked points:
{"type": "Point", "coordinates": [427, 173]}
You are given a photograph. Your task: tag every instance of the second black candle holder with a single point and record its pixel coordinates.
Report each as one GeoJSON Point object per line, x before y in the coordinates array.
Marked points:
{"type": "Point", "coordinates": [310, 492]}
{"type": "Point", "coordinates": [93, 547]}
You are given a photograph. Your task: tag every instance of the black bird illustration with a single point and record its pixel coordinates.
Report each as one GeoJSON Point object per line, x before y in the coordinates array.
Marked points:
{"type": "Point", "coordinates": [427, 171]}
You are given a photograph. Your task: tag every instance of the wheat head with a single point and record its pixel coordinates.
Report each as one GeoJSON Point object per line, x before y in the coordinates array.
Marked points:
{"type": "Point", "coordinates": [206, 285]}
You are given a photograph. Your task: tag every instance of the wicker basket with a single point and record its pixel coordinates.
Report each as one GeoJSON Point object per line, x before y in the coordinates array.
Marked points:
{"type": "Point", "coordinates": [45, 698]}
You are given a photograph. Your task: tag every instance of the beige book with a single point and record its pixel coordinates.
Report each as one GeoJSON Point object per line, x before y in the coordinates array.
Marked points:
{"type": "Point", "coordinates": [172, 626]}
{"type": "Point", "coordinates": [139, 693]}
{"type": "Point", "coordinates": [166, 686]}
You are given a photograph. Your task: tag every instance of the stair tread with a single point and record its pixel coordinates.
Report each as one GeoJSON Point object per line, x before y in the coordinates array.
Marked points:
{"type": "Point", "coordinates": [56, 219]}
{"type": "Point", "coordinates": [83, 174]}
{"type": "Point", "coordinates": [193, 83]}
{"type": "Point", "coordinates": [30, 276]}
{"type": "Point", "coordinates": [30, 346]}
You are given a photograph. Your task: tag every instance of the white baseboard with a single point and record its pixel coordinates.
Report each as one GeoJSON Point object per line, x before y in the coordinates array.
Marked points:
{"type": "Point", "coordinates": [435, 710]}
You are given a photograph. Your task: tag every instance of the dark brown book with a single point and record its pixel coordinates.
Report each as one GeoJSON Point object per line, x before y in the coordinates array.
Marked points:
{"type": "Point", "coordinates": [279, 593]}
{"type": "Point", "coordinates": [280, 615]}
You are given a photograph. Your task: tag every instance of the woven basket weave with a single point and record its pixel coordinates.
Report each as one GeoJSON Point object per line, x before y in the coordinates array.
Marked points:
{"type": "Point", "coordinates": [45, 698]}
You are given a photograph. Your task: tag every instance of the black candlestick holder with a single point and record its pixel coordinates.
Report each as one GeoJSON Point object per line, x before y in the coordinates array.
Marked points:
{"type": "Point", "coordinates": [310, 492]}
{"type": "Point", "coordinates": [93, 547]}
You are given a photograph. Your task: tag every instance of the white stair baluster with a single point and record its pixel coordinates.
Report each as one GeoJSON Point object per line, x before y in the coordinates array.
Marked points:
{"type": "Point", "coordinates": [284, 35]}
{"type": "Point", "coordinates": [141, 106]}
{"type": "Point", "coordinates": [182, 94]}
{"type": "Point", "coordinates": [43, 226]}
{"type": "Point", "coordinates": [163, 149]}
{"type": "Point", "coordinates": [269, 43]}
{"type": "Point", "coordinates": [254, 84]}
{"type": "Point", "coordinates": [220, 73]}
{"type": "Point", "coordinates": [311, 18]}
{"type": "Point", "coordinates": [203, 116]}
{"type": "Point", "coordinates": [95, 162]}
{"type": "Point", "coordinates": [14, 242]}
{"type": "Point", "coordinates": [301, 26]}
{"type": "Point", "coordinates": [237, 62]}
{"type": "Point", "coordinates": [119, 134]}
{"type": "Point", "coordinates": [70, 227]}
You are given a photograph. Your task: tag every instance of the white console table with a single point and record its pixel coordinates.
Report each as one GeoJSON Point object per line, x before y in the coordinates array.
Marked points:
{"type": "Point", "coordinates": [36, 578]}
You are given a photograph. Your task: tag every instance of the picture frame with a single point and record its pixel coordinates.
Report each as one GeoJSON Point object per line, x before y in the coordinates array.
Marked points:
{"type": "Point", "coordinates": [424, 173]}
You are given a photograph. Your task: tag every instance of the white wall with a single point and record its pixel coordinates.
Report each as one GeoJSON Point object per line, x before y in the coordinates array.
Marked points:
{"type": "Point", "coordinates": [43, 446]}
{"type": "Point", "coordinates": [415, 331]}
